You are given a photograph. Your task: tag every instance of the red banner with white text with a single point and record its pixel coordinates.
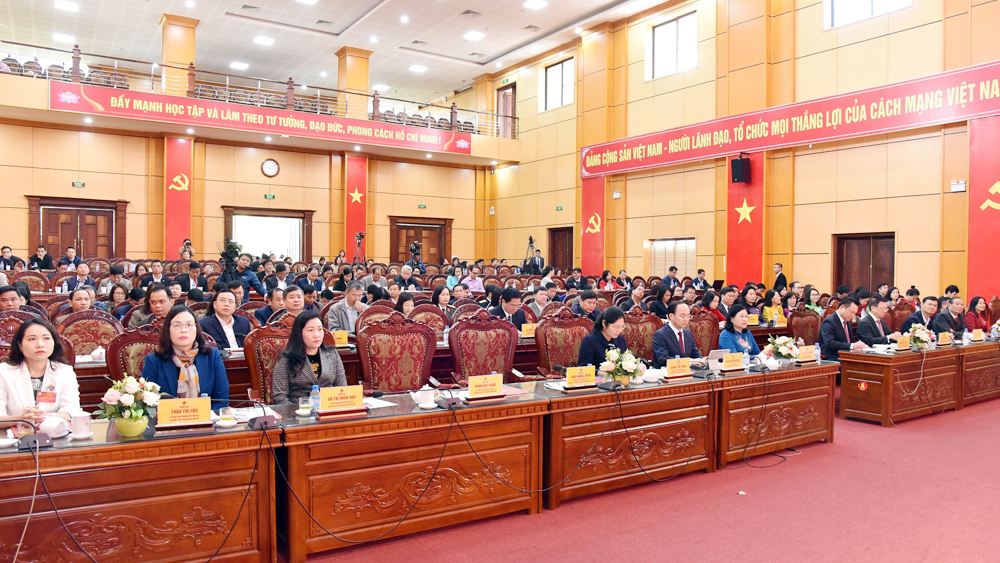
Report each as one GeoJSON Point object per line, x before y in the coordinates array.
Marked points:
{"type": "Point", "coordinates": [355, 202]}
{"type": "Point", "coordinates": [933, 100]}
{"type": "Point", "coordinates": [984, 208]}
{"type": "Point", "coordinates": [592, 228]}
{"type": "Point", "coordinates": [745, 225]}
{"type": "Point", "coordinates": [178, 164]}
{"type": "Point", "coordinates": [99, 100]}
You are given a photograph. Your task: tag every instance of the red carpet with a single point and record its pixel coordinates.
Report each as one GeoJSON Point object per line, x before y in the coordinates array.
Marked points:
{"type": "Point", "coordinates": [926, 490]}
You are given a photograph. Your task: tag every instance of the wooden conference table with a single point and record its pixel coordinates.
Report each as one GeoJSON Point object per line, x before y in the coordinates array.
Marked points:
{"type": "Point", "coordinates": [887, 388]}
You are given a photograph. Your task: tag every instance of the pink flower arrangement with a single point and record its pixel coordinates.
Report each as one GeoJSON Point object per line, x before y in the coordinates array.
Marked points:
{"type": "Point", "coordinates": [130, 398]}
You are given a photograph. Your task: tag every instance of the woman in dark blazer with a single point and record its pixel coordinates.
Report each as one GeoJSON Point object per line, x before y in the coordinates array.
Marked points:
{"type": "Point", "coordinates": [183, 365]}
{"type": "Point", "coordinates": [305, 362]}
{"type": "Point", "coordinates": [659, 307]}
{"type": "Point", "coordinates": [220, 315]}
{"type": "Point", "coordinates": [607, 334]}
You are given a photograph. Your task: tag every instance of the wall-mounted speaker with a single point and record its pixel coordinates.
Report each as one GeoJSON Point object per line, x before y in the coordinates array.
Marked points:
{"type": "Point", "coordinates": [741, 170]}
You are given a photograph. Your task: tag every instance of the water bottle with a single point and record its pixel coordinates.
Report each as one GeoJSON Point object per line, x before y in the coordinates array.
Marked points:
{"type": "Point", "coordinates": [746, 361]}
{"type": "Point", "coordinates": [314, 401]}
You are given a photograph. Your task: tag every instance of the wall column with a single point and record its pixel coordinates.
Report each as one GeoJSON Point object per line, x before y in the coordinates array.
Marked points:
{"type": "Point", "coordinates": [177, 52]}
{"type": "Point", "coordinates": [352, 77]}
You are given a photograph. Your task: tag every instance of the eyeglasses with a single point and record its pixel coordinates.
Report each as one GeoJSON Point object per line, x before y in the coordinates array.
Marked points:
{"type": "Point", "coordinates": [180, 326]}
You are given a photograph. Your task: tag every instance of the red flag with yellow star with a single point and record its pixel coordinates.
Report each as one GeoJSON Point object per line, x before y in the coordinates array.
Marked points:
{"type": "Point", "coordinates": [355, 202]}
{"type": "Point", "coordinates": [745, 220]}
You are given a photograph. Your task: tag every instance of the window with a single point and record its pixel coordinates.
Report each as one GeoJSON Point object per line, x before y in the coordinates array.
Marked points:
{"type": "Point", "coordinates": [675, 46]}
{"type": "Point", "coordinates": [667, 252]}
{"type": "Point", "coordinates": [280, 235]}
{"type": "Point", "coordinates": [559, 84]}
{"type": "Point", "coordinates": [843, 12]}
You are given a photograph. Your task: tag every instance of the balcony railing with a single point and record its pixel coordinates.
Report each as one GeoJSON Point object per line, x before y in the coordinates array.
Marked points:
{"type": "Point", "coordinates": [116, 72]}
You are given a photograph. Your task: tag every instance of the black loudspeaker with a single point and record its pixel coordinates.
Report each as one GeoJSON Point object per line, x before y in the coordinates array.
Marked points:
{"type": "Point", "coordinates": [741, 170]}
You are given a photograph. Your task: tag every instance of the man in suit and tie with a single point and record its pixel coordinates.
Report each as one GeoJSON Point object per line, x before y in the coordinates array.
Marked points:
{"type": "Point", "coordinates": [275, 302]}
{"type": "Point", "coordinates": [312, 278]}
{"type": "Point", "coordinates": [951, 319]}
{"type": "Point", "coordinates": [344, 314]}
{"type": "Point", "coordinates": [779, 280]}
{"type": "Point", "coordinates": [577, 281]}
{"type": "Point", "coordinates": [699, 282]}
{"type": "Point", "coordinates": [675, 339]}
{"type": "Point", "coordinates": [192, 279]}
{"type": "Point", "coordinates": [280, 279]}
{"type": "Point", "coordinates": [727, 298]}
{"type": "Point", "coordinates": [635, 300]}
{"type": "Point", "coordinates": [671, 280]}
{"type": "Point", "coordinates": [541, 300]}
{"type": "Point", "coordinates": [835, 333]}
{"type": "Point", "coordinates": [81, 278]}
{"type": "Point", "coordinates": [872, 329]}
{"type": "Point", "coordinates": [587, 305]}
{"type": "Point", "coordinates": [510, 307]}
{"type": "Point", "coordinates": [535, 264]}
{"type": "Point", "coordinates": [923, 316]}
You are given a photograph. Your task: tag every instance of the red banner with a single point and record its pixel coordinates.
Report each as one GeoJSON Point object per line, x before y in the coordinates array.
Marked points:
{"type": "Point", "coordinates": [745, 225]}
{"type": "Point", "coordinates": [177, 171]}
{"type": "Point", "coordinates": [984, 207]}
{"type": "Point", "coordinates": [592, 229]}
{"type": "Point", "coordinates": [355, 201]}
{"type": "Point", "coordinates": [99, 100]}
{"type": "Point", "coordinates": [940, 98]}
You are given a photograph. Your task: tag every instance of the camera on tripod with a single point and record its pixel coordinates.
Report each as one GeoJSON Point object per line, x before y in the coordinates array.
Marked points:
{"type": "Point", "coordinates": [360, 236]}
{"type": "Point", "coordinates": [415, 249]}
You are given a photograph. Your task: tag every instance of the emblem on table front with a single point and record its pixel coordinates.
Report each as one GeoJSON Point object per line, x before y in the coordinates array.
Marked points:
{"type": "Point", "coordinates": [446, 488]}
{"type": "Point", "coordinates": [119, 539]}
{"type": "Point", "coordinates": [778, 422]}
{"type": "Point", "coordinates": [647, 447]}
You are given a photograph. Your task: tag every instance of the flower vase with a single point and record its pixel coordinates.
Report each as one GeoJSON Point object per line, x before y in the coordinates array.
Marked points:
{"type": "Point", "coordinates": [785, 362]}
{"type": "Point", "coordinates": [131, 427]}
{"type": "Point", "coordinates": [623, 379]}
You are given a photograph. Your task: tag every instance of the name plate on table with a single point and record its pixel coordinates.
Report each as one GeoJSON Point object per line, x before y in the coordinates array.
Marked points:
{"type": "Point", "coordinates": [679, 368]}
{"type": "Point", "coordinates": [754, 320]}
{"type": "Point", "coordinates": [340, 338]}
{"type": "Point", "coordinates": [485, 387]}
{"type": "Point", "coordinates": [180, 413]}
{"type": "Point", "coordinates": [528, 330]}
{"type": "Point", "coordinates": [339, 402]}
{"type": "Point", "coordinates": [580, 377]}
{"type": "Point", "coordinates": [732, 361]}
{"type": "Point", "coordinates": [780, 320]}
{"type": "Point", "coordinates": [903, 343]}
{"type": "Point", "coordinates": [977, 334]}
{"type": "Point", "coordinates": [807, 354]}
{"type": "Point", "coordinates": [945, 339]}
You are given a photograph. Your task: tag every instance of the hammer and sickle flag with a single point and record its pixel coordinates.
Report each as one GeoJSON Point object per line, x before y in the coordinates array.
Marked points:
{"type": "Point", "coordinates": [180, 183]}
{"type": "Point", "coordinates": [595, 224]}
{"type": "Point", "coordinates": [995, 190]}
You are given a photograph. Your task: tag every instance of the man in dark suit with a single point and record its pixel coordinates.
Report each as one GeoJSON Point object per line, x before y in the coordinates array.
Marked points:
{"type": "Point", "coordinates": [280, 279]}
{"type": "Point", "coordinates": [951, 319]}
{"type": "Point", "coordinates": [923, 316]}
{"type": "Point", "coordinates": [406, 280]}
{"type": "Point", "coordinates": [510, 307]}
{"type": "Point", "coordinates": [635, 300]}
{"type": "Point", "coordinates": [577, 281]}
{"type": "Point", "coordinates": [779, 280]}
{"type": "Point", "coordinates": [275, 302]}
{"type": "Point", "coordinates": [727, 299]}
{"type": "Point", "coordinates": [671, 280]}
{"type": "Point", "coordinates": [192, 279]}
{"type": "Point", "coordinates": [227, 329]}
{"type": "Point", "coordinates": [156, 267]}
{"type": "Point", "coordinates": [81, 278]}
{"type": "Point", "coordinates": [675, 339]}
{"type": "Point", "coordinates": [587, 305]}
{"type": "Point", "coordinates": [312, 278]}
{"type": "Point", "coordinates": [872, 328]}
{"type": "Point", "coordinates": [535, 264]}
{"type": "Point", "coordinates": [835, 333]}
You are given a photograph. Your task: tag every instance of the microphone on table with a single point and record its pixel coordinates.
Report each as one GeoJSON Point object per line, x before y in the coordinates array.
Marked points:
{"type": "Point", "coordinates": [264, 421]}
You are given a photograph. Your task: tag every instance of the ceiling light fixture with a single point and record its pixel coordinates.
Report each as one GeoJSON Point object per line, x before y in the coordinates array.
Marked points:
{"type": "Point", "coordinates": [357, 147]}
{"type": "Point", "coordinates": [473, 36]}
{"type": "Point", "coordinates": [63, 38]}
{"type": "Point", "coordinates": [67, 6]}
{"type": "Point", "coordinates": [323, 74]}
{"type": "Point", "coordinates": [499, 64]}
{"type": "Point", "coordinates": [429, 155]}
{"type": "Point", "coordinates": [268, 138]}
{"type": "Point", "coordinates": [310, 2]}
{"type": "Point", "coordinates": [373, 39]}
{"type": "Point", "coordinates": [418, 68]}
{"type": "Point", "coordinates": [262, 40]}
{"type": "Point", "coordinates": [494, 163]}
{"type": "Point", "coordinates": [87, 120]}
{"type": "Point", "coordinates": [578, 30]}
{"type": "Point", "coordinates": [535, 4]}
{"type": "Point", "coordinates": [381, 87]}
{"type": "Point", "coordinates": [189, 4]}
{"type": "Point", "coordinates": [236, 65]}
{"type": "Point", "coordinates": [535, 49]}
{"type": "Point", "coordinates": [404, 19]}
{"type": "Point", "coordinates": [190, 131]}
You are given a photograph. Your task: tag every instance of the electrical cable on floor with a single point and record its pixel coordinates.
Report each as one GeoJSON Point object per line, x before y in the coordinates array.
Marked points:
{"type": "Point", "coordinates": [31, 508]}
{"type": "Point", "coordinates": [621, 414]}
{"type": "Point", "coordinates": [253, 475]}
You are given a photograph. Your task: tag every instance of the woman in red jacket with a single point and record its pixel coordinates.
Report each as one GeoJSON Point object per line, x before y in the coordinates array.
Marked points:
{"type": "Point", "coordinates": [710, 303]}
{"type": "Point", "coordinates": [977, 317]}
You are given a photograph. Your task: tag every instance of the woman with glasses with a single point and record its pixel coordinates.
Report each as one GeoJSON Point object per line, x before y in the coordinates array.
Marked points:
{"type": "Point", "coordinates": [607, 334]}
{"type": "Point", "coordinates": [183, 365]}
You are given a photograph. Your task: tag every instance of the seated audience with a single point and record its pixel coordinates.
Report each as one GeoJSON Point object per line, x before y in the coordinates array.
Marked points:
{"type": "Point", "coordinates": [951, 291]}
{"type": "Point", "coordinates": [442, 298]}
{"type": "Point", "coordinates": [294, 300]}
{"type": "Point", "coordinates": [157, 268]}
{"type": "Point", "coordinates": [343, 315]}
{"type": "Point", "coordinates": [675, 339]}
{"type": "Point", "coordinates": [811, 297]}
{"type": "Point", "coordinates": [275, 302]}
{"type": "Point", "coordinates": [194, 297]}
{"type": "Point", "coordinates": [222, 324]}
{"type": "Point", "coordinates": [325, 298]}
{"type": "Point", "coordinates": [789, 303]}
{"type": "Point", "coordinates": [176, 292]}
{"type": "Point", "coordinates": [135, 298]}
{"type": "Point", "coordinates": [951, 319]}
{"type": "Point", "coordinates": [81, 279]}
{"type": "Point", "coordinates": [635, 299]}
{"type": "Point", "coordinates": [748, 298]}
{"type": "Point", "coordinates": [607, 334]}
{"type": "Point", "coordinates": [305, 362]}
{"type": "Point", "coordinates": [510, 307]}
{"type": "Point", "coordinates": [727, 298]}
{"type": "Point", "coordinates": [700, 283]}
{"type": "Point", "coordinates": [661, 300]}
{"type": "Point", "coordinates": [312, 279]}
{"type": "Point", "coordinates": [710, 302]}
{"type": "Point", "coordinates": [690, 295]}
{"type": "Point", "coordinates": [35, 380]}
{"type": "Point", "coordinates": [183, 365]}
{"type": "Point", "coordinates": [577, 281]}
{"type": "Point", "coordinates": [872, 329]}
{"type": "Point", "coordinates": [192, 279]}
{"type": "Point", "coordinates": [40, 260]}
{"type": "Point", "coordinates": [375, 293]}
{"type": "Point", "coordinates": [405, 303]}
{"type": "Point", "coordinates": [736, 336]}
{"type": "Point", "coordinates": [539, 302]}
{"type": "Point", "coordinates": [406, 280]}
{"type": "Point", "coordinates": [309, 299]}
{"type": "Point", "coordinates": [10, 299]}
{"type": "Point", "coordinates": [375, 278]}
{"type": "Point", "coordinates": [587, 305]}
{"type": "Point", "coordinates": [70, 260]}
{"type": "Point", "coordinates": [913, 296]}
{"type": "Point", "coordinates": [624, 282]}
{"type": "Point", "coordinates": [116, 275]}
{"type": "Point", "coordinates": [346, 276]}
{"type": "Point", "coordinates": [835, 333]}
{"type": "Point", "coordinates": [156, 306]}
{"type": "Point", "coordinates": [280, 279]}
{"type": "Point", "coordinates": [772, 306]}
{"type": "Point", "coordinates": [977, 317]}
{"type": "Point", "coordinates": [473, 281]}
{"type": "Point", "coordinates": [671, 280]}
{"type": "Point", "coordinates": [923, 315]}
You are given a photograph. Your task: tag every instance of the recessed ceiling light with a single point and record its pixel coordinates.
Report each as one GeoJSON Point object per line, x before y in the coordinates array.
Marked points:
{"type": "Point", "coordinates": [190, 131]}
{"type": "Point", "coordinates": [418, 68]}
{"type": "Point", "coordinates": [67, 6]}
{"type": "Point", "coordinates": [268, 138]}
{"type": "Point", "coordinates": [494, 163]}
{"type": "Point", "coordinates": [535, 4]}
{"type": "Point", "coordinates": [381, 87]}
{"type": "Point", "coordinates": [189, 4]}
{"type": "Point", "coordinates": [263, 40]}
{"type": "Point", "coordinates": [63, 37]}
{"type": "Point", "coordinates": [357, 147]}
{"type": "Point", "coordinates": [310, 2]}
{"type": "Point", "coordinates": [499, 64]}
{"type": "Point", "coordinates": [404, 19]}
{"type": "Point", "coordinates": [236, 65]}
{"type": "Point", "coordinates": [373, 39]}
{"type": "Point", "coordinates": [578, 30]}
{"type": "Point", "coordinates": [429, 155]}
{"type": "Point", "coordinates": [323, 74]}
{"type": "Point", "coordinates": [535, 49]}
{"type": "Point", "coordinates": [87, 120]}
{"type": "Point", "coordinates": [473, 36]}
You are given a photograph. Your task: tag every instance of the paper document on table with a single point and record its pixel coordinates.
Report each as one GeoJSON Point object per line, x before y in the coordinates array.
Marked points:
{"type": "Point", "coordinates": [244, 414]}
{"type": "Point", "coordinates": [373, 403]}
{"type": "Point", "coordinates": [555, 386]}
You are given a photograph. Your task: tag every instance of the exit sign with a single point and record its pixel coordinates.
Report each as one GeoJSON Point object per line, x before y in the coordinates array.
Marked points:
{"type": "Point", "coordinates": [422, 206]}
{"type": "Point", "coordinates": [558, 208]}
{"type": "Point", "coordinates": [268, 196]}
{"type": "Point", "coordinates": [77, 184]}
{"type": "Point", "coordinates": [505, 80]}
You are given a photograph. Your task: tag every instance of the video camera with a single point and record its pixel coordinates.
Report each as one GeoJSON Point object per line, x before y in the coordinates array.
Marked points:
{"type": "Point", "coordinates": [415, 249]}
{"type": "Point", "coordinates": [360, 236]}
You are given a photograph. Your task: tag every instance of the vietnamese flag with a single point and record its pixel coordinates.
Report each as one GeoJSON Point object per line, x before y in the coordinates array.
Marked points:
{"type": "Point", "coordinates": [745, 222]}
{"type": "Point", "coordinates": [355, 202]}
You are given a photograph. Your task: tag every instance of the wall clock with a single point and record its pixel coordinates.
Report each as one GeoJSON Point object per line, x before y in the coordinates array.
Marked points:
{"type": "Point", "coordinates": [270, 168]}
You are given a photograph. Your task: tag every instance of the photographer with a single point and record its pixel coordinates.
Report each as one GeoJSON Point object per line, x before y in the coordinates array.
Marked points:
{"type": "Point", "coordinates": [248, 278]}
{"type": "Point", "coordinates": [415, 263]}
{"type": "Point", "coordinates": [186, 246]}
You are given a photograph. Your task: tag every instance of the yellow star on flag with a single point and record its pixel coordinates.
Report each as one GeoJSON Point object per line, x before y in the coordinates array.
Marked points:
{"type": "Point", "coordinates": [356, 196]}
{"type": "Point", "coordinates": [745, 212]}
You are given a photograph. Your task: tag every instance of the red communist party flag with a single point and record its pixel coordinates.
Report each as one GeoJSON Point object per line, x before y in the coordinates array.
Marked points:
{"type": "Point", "coordinates": [592, 227]}
{"type": "Point", "coordinates": [745, 221]}
{"type": "Point", "coordinates": [177, 164]}
{"type": "Point", "coordinates": [355, 200]}
{"type": "Point", "coordinates": [984, 207]}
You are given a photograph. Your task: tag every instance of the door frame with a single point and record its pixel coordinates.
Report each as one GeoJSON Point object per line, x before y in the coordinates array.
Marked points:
{"type": "Point", "coordinates": [572, 237]}
{"type": "Point", "coordinates": [835, 253]}
{"type": "Point", "coordinates": [513, 110]}
{"type": "Point", "coordinates": [306, 215]}
{"type": "Point", "coordinates": [36, 203]}
{"type": "Point", "coordinates": [395, 220]}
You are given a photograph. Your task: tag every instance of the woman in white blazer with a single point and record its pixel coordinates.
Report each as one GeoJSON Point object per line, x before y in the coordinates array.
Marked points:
{"type": "Point", "coordinates": [34, 381]}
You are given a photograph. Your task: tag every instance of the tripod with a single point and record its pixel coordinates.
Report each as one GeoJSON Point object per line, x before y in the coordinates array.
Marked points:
{"type": "Point", "coordinates": [228, 272]}
{"type": "Point", "coordinates": [528, 266]}
{"type": "Point", "coordinates": [359, 253]}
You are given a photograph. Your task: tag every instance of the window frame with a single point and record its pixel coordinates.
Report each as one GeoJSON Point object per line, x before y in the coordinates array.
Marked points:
{"type": "Point", "coordinates": [674, 19]}
{"type": "Point", "coordinates": [829, 10]}
{"type": "Point", "coordinates": [562, 84]}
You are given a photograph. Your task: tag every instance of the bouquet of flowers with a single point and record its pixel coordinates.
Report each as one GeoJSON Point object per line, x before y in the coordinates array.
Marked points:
{"type": "Point", "coordinates": [782, 348]}
{"type": "Point", "coordinates": [622, 366]}
{"type": "Point", "coordinates": [130, 398]}
{"type": "Point", "coordinates": [995, 331]}
{"type": "Point", "coordinates": [920, 336]}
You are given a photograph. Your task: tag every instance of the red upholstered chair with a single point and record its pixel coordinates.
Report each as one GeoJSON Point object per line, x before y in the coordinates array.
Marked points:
{"type": "Point", "coordinates": [899, 313]}
{"type": "Point", "coordinates": [248, 315]}
{"type": "Point", "coordinates": [54, 304]}
{"type": "Point", "coordinates": [10, 321]}
{"type": "Point", "coordinates": [482, 344]}
{"type": "Point", "coordinates": [371, 315]}
{"type": "Point", "coordinates": [705, 328]}
{"type": "Point", "coordinates": [58, 279]}
{"type": "Point", "coordinates": [36, 308]}
{"type": "Point", "coordinates": [37, 281]}
{"type": "Point", "coordinates": [396, 353]}
{"type": "Point", "coordinates": [529, 314]}
{"type": "Point", "coordinates": [804, 325]}
{"type": "Point", "coordinates": [465, 301]}
{"type": "Point", "coordinates": [275, 316]}
{"type": "Point", "coordinates": [432, 270]}
{"type": "Point", "coordinates": [639, 329]}
{"type": "Point", "coordinates": [90, 329]}
{"type": "Point", "coordinates": [994, 310]}
{"type": "Point", "coordinates": [551, 308]}
{"type": "Point", "coordinates": [251, 306]}
{"type": "Point", "coordinates": [558, 338]}
{"type": "Point", "coordinates": [465, 311]}
{"type": "Point", "coordinates": [126, 354]}
{"type": "Point", "coordinates": [199, 309]}
{"type": "Point", "coordinates": [262, 348]}
{"type": "Point", "coordinates": [384, 303]}
{"type": "Point", "coordinates": [431, 316]}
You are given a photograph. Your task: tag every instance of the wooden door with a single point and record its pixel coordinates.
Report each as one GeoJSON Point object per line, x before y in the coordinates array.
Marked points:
{"type": "Point", "coordinates": [506, 110]}
{"type": "Point", "coordinates": [883, 261]}
{"type": "Point", "coordinates": [864, 259]}
{"type": "Point", "coordinates": [59, 229]}
{"type": "Point", "coordinates": [560, 251]}
{"type": "Point", "coordinates": [431, 236]}
{"type": "Point", "coordinates": [90, 231]}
